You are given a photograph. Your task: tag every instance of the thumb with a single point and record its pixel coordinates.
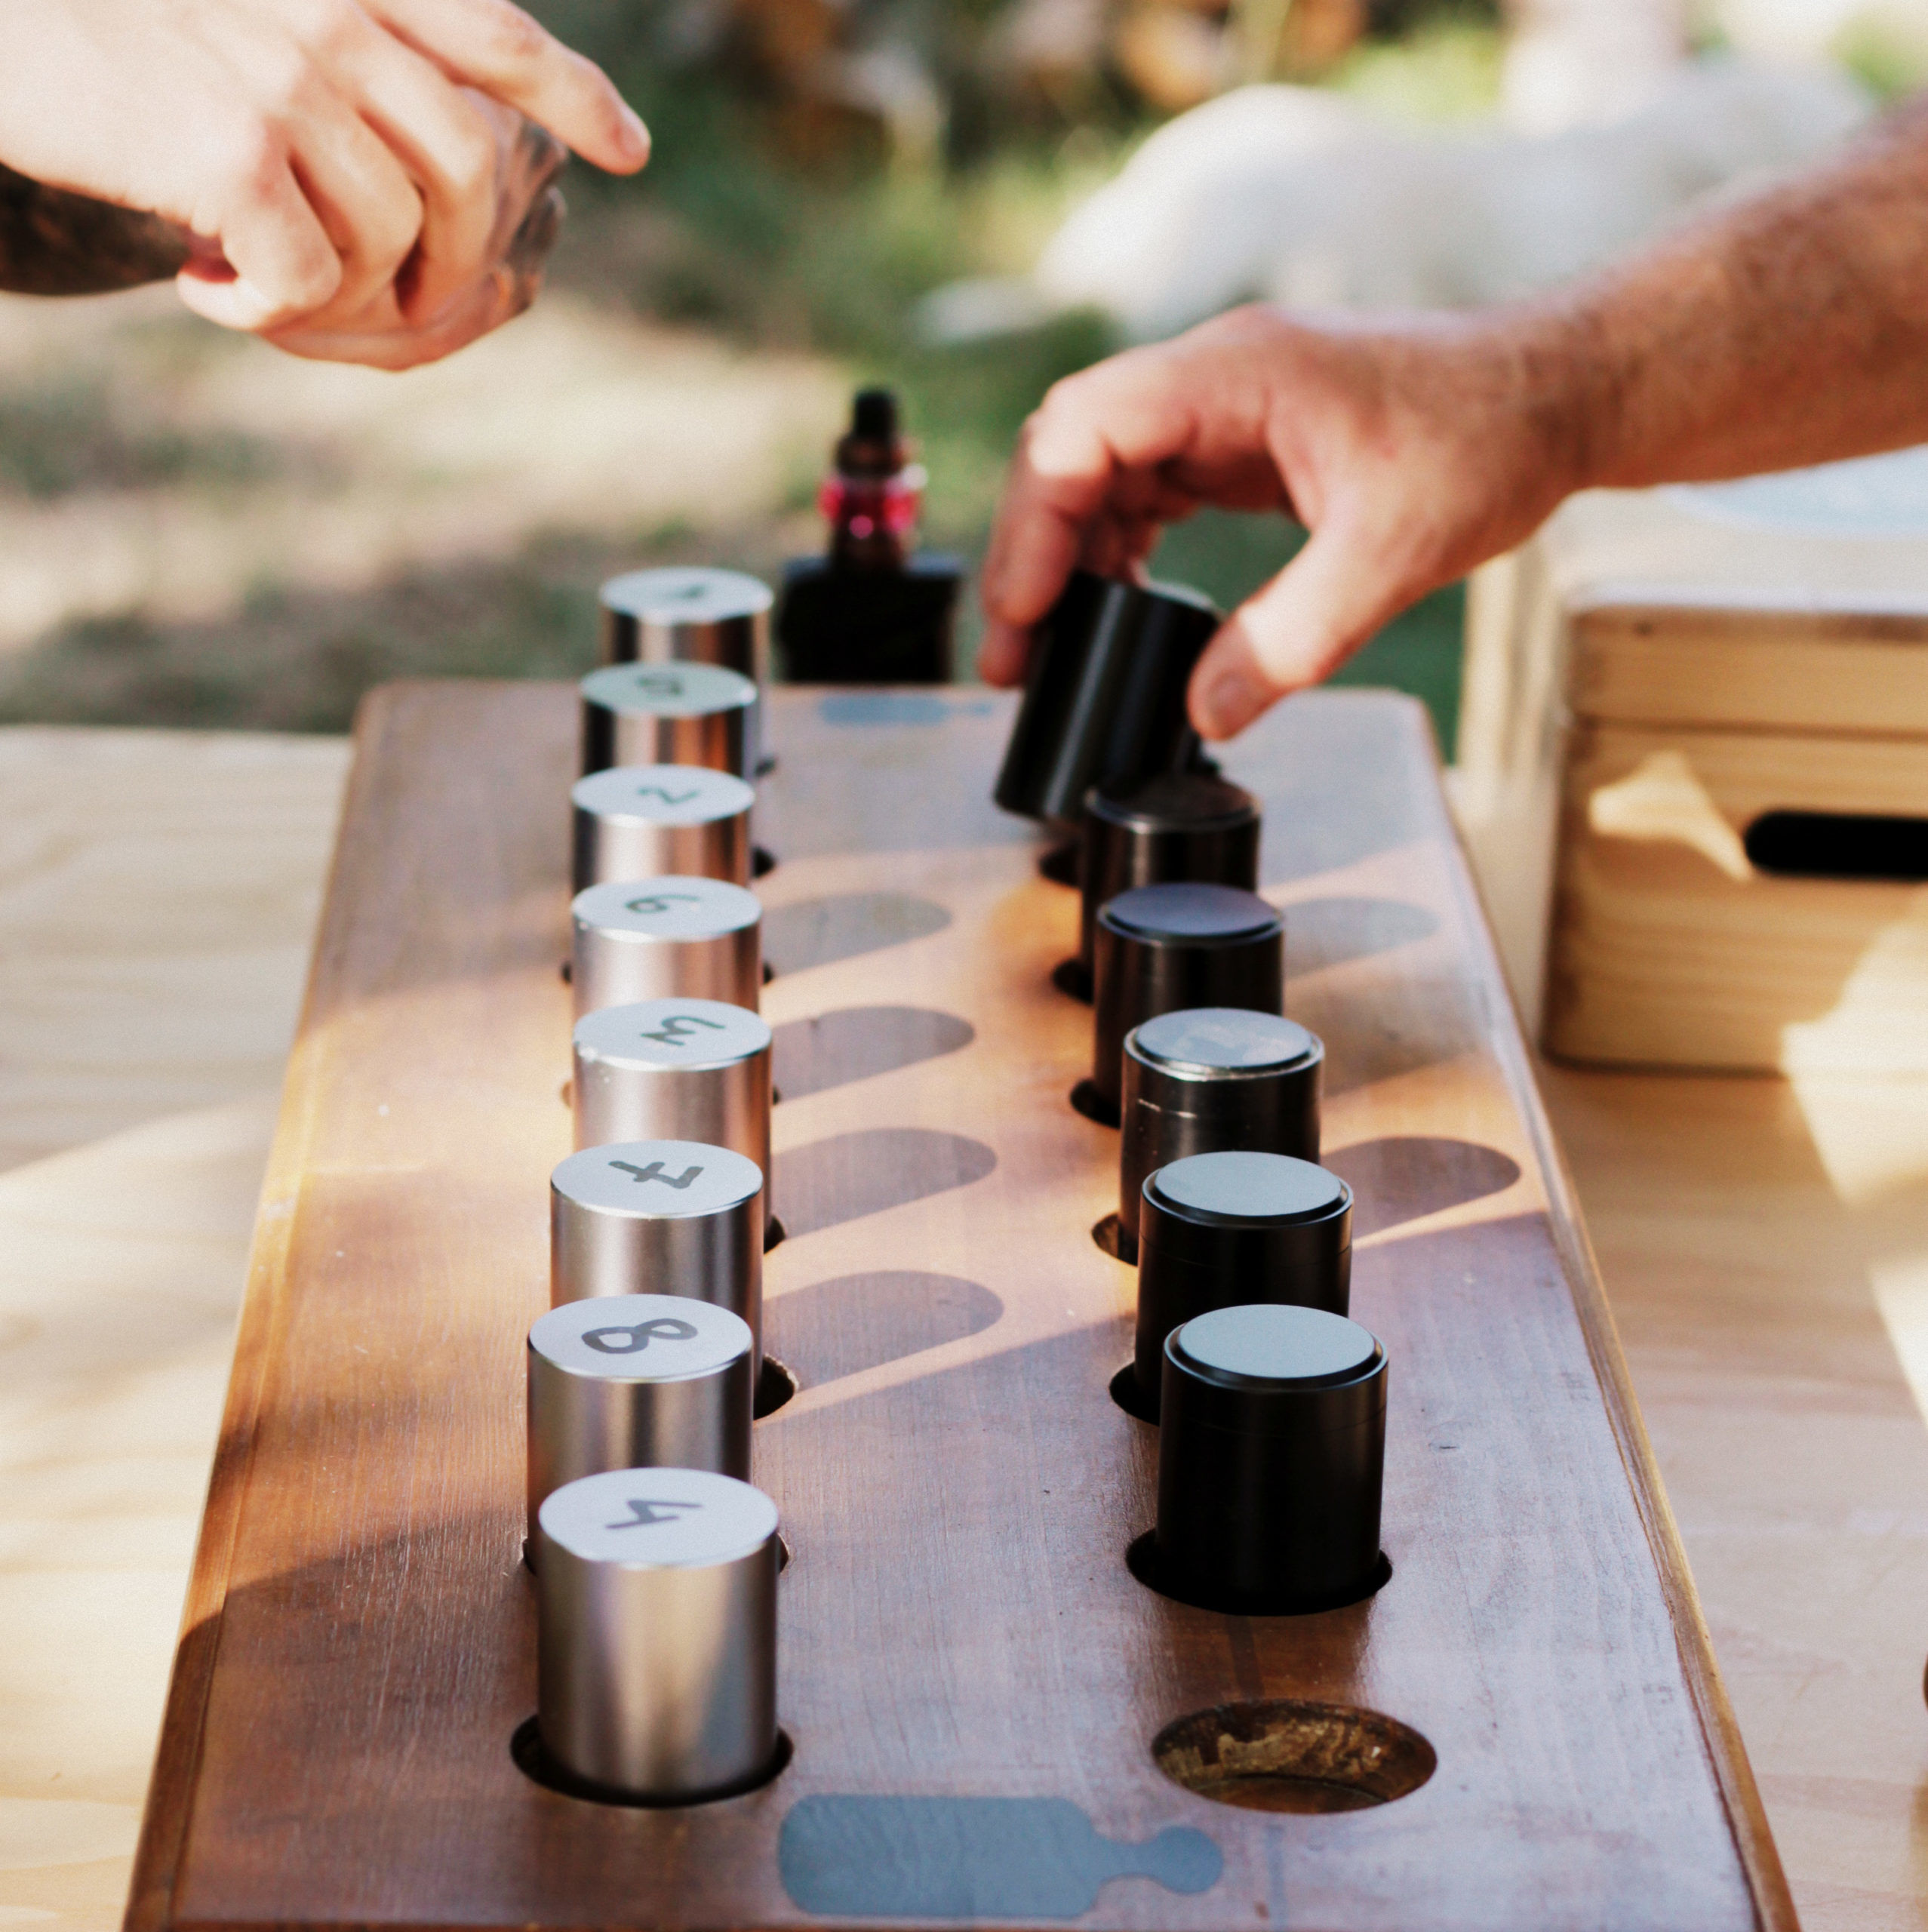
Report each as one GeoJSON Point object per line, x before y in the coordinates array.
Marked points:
{"type": "Point", "coordinates": [1297, 629]}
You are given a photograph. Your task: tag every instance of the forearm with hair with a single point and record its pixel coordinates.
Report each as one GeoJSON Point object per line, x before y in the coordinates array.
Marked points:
{"type": "Point", "coordinates": [53, 242]}
{"type": "Point", "coordinates": [1788, 329]}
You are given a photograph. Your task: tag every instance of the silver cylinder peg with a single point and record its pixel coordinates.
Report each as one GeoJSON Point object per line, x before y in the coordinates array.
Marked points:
{"type": "Point", "coordinates": [665, 1217]}
{"type": "Point", "coordinates": [673, 1069]}
{"type": "Point", "coordinates": [642, 821]}
{"type": "Point", "coordinates": [669, 713]}
{"type": "Point", "coordinates": [675, 936]}
{"type": "Point", "coordinates": [688, 615]}
{"type": "Point", "coordinates": [693, 616]}
{"type": "Point", "coordinates": [637, 1381]}
{"type": "Point", "coordinates": [657, 1632]}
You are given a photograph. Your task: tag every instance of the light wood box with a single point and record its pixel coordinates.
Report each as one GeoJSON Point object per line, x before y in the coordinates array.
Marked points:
{"type": "Point", "coordinates": [1644, 681]}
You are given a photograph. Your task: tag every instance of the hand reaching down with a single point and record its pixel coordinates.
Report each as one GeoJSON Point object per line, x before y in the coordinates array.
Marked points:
{"type": "Point", "coordinates": [368, 179]}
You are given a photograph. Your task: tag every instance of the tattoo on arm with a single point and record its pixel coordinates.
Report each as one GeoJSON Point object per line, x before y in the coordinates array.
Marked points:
{"type": "Point", "coordinates": [53, 242]}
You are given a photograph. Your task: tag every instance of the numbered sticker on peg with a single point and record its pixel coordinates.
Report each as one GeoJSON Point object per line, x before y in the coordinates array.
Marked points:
{"type": "Point", "coordinates": [667, 690]}
{"type": "Point", "coordinates": [633, 1338]}
{"type": "Point", "coordinates": [678, 594]}
{"type": "Point", "coordinates": [673, 1069]}
{"type": "Point", "coordinates": [652, 1178]}
{"type": "Point", "coordinates": [640, 1337]}
{"type": "Point", "coordinates": [645, 795]}
{"type": "Point", "coordinates": [674, 1035]}
{"type": "Point", "coordinates": [658, 1518]}
{"type": "Point", "coordinates": [633, 1381]}
{"type": "Point", "coordinates": [671, 908]}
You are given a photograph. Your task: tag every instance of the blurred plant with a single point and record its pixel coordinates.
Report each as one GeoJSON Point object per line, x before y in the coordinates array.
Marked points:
{"type": "Point", "coordinates": [775, 212]}
{"type": "Point", "coordinates": [1886, 48]}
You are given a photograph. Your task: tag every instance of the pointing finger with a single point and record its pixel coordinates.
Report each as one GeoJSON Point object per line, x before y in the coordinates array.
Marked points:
{"type": "Point", "coordinates": [493, 46]}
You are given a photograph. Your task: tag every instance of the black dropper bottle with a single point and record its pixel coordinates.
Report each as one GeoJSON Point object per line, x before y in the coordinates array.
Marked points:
{"type": "Point", "coordinates": [874, 609]}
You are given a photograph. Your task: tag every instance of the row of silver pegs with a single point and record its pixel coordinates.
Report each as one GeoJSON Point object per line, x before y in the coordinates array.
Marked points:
{"type": "Point", "coordinates": [656, 1560]}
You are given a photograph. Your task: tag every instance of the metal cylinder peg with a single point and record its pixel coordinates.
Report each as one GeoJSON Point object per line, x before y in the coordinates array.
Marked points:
{"type": "Point", "coordinates": [644, 821]}
{"type": "Point", "coordinates": [1178, 826]}
{"type": "Point", "coordinates": [1272, 1456]}
{"type": "Point", "coordinates": [688, 615]}
{"type": "Point", "coordinates": [638, 1382]}
{"type": "Point", "coordinates": [667, 1217]}
{"type": "Point", "coordinates": [669, 713]}
{"type": "Point", "coordinates": [1218, 1230]}
{"type": "Point", "coordinates": [673, 1069]}
{"type": "Point", "coordinates": [656, 1612]}
{"type": "Point", "coordinates": [671, 937]}
{"type": "Point", "coordinates": [1207, 1079]}
{"type": "Point", "coordinates": [1161, 948]}
{"type": "Point", "coordinates": [1105, 697]}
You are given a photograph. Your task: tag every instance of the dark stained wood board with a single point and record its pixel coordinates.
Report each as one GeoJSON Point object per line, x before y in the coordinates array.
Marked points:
{"type": "Point", "coordinates": [956, 1484]}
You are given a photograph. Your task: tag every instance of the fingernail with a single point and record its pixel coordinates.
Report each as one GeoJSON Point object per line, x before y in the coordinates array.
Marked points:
{"type": "Point", "coordinates": [1229, 701]}
{"type": "Point", "coordinates": [638, 134]}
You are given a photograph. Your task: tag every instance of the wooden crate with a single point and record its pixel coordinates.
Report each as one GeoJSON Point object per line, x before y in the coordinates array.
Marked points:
{"type": "Point", "coordinates": [1635, 703]}
{"type": "Point", "coordinates": [959, 1625]}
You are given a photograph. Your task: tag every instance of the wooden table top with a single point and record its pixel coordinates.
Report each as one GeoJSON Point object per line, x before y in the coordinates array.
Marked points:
{"type": "Point", "coordinates": [1763, 1271]}
{"type": "Point", "coordinates": [959, 1625]}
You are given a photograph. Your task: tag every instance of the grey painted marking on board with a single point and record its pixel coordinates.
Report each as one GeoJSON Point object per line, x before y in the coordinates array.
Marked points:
{"type": "Point", "coordinates": [971, 1858]}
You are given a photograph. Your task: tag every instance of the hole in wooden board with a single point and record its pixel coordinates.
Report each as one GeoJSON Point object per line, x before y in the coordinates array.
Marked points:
{"type": "Point", "coordinates": [1110, 1235]}
{"type": "Point", "coordinates": [533, 1761]}
{"type": "Point", "coordinates": [763, 862]}
{"type": "Point", "coordinates": [1320, 933]}
{"type": "Point", "coordinates": [1126, 1393]}
{"type": "Point", "coordinates": [774, 1387]}
{"type": "Point", "coordinates": [1141, 1558]}
{"type": "Point", "coordinates": [847, 1176]}
{"type": "Point", "coordinates": [1283, 1755]}
{"type": "Point", "coordinates": [1085, 1099]}
{"type": "Point", "coordinates": [843, 925]}
{"type": "Point", "coordinates": [1073, 977]}
{"type": "Point", "coordinates": [1400, 1177]}
{"type": "Point", "coordinates": [1871, 846]}
{"type": "Point", "coordinates": [841, 1326]}
{"type": "Point", "coordinates": [858, 1042]}
{"type": "Point", "coordinates": [1059, 864]}
{"type": "Point", "coordinates": [774, 1234]}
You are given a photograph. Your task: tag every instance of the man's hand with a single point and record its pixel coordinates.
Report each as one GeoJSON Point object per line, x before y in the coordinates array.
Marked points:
{"type": "Point", "coordinates": [343, 167]}
{"type": "Point", "coordinates": [1410, 451]}
{"type": "Point", "coordinates": [1787, 329]}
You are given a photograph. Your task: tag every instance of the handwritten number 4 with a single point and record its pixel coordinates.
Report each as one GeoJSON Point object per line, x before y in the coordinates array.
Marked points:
{"type": "Point", "coordinates": [643, 1513]}
{"type": "Point", "coordinates": [654, 1172]}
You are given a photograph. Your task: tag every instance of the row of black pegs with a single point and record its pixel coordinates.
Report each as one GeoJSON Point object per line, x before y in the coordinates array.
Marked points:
{"type": "Point", "coordinates": [1270, 1400]}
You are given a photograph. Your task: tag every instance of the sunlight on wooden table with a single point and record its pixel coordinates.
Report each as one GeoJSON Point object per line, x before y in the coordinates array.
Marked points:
{"type": "Point", "coordinates": [157, 894]}
{"type": "Point", "coordinates": [1765, 1245]}
{"type": "Point", "coordinates": [1765, 1250]}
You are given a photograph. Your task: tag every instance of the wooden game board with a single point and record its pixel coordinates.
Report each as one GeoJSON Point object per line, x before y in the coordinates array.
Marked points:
{"type": "Point", "coordinates": [958, 1623]}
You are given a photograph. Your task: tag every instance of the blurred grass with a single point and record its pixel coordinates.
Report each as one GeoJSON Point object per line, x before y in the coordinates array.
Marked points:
{"type": "Point", "coordinates": [1886, 48]}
